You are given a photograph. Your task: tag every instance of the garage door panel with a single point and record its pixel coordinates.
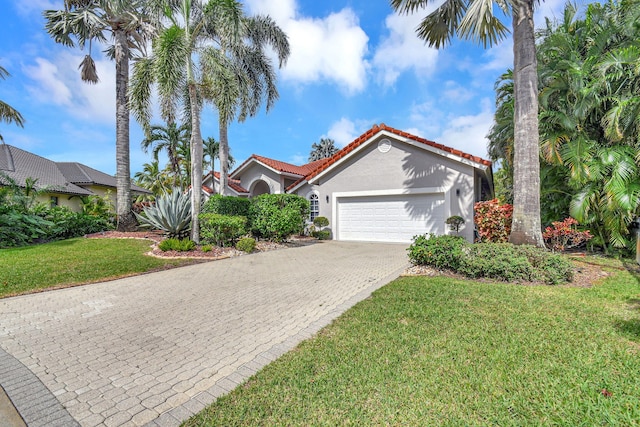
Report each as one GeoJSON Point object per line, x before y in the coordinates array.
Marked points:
{"type": "Point", "coordinates": [390, 218]}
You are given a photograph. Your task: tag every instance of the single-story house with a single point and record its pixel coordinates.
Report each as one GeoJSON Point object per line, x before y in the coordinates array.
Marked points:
{"type": "Point", "coordinates": [387, 185]}
{"type": "Point", "coordinates": [63, 182]}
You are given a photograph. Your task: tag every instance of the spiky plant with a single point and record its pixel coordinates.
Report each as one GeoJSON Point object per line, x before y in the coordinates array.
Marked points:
{"type": "Point", "coordinates": [171, 214]}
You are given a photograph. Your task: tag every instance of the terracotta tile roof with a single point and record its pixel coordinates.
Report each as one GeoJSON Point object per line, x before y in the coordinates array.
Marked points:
{"type": "Point", "coordinates": [232, 183]}
{"type": "Point", "coordinates": [282, 167]}
{"type": "Point", "coordinates": [324, 164]}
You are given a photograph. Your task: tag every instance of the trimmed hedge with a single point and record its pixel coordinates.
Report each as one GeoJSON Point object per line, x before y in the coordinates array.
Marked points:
{"type": "Point", "coordinates": [278, 216]}
{"type": "Point", "coordinates": [502, 261]}
{"type": "Point", "coordinates": [246, 244]}
{"type": "Point", "coordinates": [227, 205]}
{"type": "Point", "coordinates": [222, 230]}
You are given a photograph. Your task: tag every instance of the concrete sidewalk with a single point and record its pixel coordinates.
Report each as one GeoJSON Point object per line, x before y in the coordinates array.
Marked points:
{"type": "Point", "coordinates": [155, 349]}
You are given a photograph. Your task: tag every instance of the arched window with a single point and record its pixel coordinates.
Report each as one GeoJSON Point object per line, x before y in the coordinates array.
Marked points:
{"type": "Point", "coordinates": [314, 205]}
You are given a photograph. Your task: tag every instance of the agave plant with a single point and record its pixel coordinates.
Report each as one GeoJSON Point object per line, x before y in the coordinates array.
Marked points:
{"type": "Point", "coordinates": [171, 214]}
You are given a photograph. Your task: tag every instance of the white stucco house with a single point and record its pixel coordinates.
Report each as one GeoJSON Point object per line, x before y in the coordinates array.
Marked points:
{"type": "Point", "coordinates": [387, 185]}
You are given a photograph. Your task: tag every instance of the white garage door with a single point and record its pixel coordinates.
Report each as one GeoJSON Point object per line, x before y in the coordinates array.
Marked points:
{"type": "Point", "coordinates": [390, 218]}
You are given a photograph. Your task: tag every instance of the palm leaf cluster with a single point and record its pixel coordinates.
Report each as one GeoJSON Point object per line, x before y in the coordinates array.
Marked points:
{"type": "Point", "coordinates": [8, 114]}
{"type": "Point", "coordinates": [589, 118]}
{"type": "Point", "coordinates": [323, 149]}
{"type": "Point", "coordinates": [207, 53]}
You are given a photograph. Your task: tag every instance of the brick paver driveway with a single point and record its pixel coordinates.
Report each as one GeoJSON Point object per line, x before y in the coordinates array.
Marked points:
{"type": "Point", "coordinates": [156, 348]}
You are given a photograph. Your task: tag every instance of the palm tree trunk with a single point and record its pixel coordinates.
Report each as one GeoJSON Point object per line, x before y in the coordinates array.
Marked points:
{"type": "Point", "coordinates": [224, 155]}
{"type": "Point", "coordinates": [126, 219]}
{"type": "Point", "coordinates": [526, 227]}
{"type": "Point", "coordinates": [196, 162]}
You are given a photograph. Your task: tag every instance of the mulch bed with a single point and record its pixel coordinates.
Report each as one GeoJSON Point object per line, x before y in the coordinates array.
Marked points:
{"type": "Point", "coordinates": [215, 252]}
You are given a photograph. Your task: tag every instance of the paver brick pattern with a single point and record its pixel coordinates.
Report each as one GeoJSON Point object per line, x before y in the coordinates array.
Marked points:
{"type": "Point", "coordinates": [156, 348]}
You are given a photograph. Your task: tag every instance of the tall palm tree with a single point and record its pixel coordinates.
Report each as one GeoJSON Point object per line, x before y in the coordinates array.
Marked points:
{"type": "Point", "coordinates": [168, 138]}
{"type": "Point", "coordinates": [238, 73]}
{"type": "Point", "coordinates": [128, 25]}
{"type": "Point", "coordinates": [8, 114]}
{"type": "Point", "coordinates": [172, 67]}
{"type": "Point", "coordinates": [211, 150]}
{"type": "Point", "coordinates": [323, 149]}
{"type": "Point", "coordinates": [475, 20]}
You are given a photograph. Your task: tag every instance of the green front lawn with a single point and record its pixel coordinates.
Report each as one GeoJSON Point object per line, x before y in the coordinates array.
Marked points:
{"type": "Point", "coordinates": [75, 261]}
{"type": "Point", "coordinates": [440, 351]}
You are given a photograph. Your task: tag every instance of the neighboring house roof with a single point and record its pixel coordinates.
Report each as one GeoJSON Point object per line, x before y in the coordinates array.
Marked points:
{"type": "Point", "coordinates": [19, 165]}
{"type": "Point", "coordinates": [327, 164]}
{"type": "Point", "coordinates": [61, 177]}
{"type": "Point", "coordinates": [84, 175]}
{"type": "Point", "coordinates": [234, 184]}
{"type": "Point", "coordinates": [278, 166]}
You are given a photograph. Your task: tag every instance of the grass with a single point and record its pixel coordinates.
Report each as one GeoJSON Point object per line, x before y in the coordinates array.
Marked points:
{"type": "Point", "coordinates": [74, 261]}
{"type": "Point", "coordinates": [442, 351]}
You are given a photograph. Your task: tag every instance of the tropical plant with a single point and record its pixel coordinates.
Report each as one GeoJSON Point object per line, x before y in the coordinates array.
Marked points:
{"type": "Point", "coordinates": [129, 26]}
{"type": "Point", "coordinates": [211, 152]}
{"type": "Point", "coordinates": [171, 213]}
{"type": "Point", "coordinates": [172, 67]}
{"type": "Point", "coordinates": [493, 221]}
{"type": "Point", "coordinates": [238, 74]}
{"type": "Point", "coordinates": [169, 139]}
{"type": "Point", "coordinates": [8, 114]}
{"type": "Point", "coordinates": [589, 129]}
{"type": "Point", "coordinates": [323, 149]}
{"type": "Point", "coordinates": [153, 179]}
{"type": "Point", "coordinates": [475, 20]}
{"type": "Point", "coordinates": [99, 206]}
{"type": "Point", "coordinates": [178, 245]}
{"type": "Point", "coordinates": [565, 235]}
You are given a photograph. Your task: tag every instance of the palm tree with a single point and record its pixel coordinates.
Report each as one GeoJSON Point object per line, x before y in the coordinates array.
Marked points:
{"type": "Point", "coordinates": [152, 178]}
{"type": "Point", "coordinates": [475, 20]}
{"type": "Point", "coordinates": [9, 114]}
{"type": "Point", "coordinates": [172, 68]}
{"type": "Point", "coordinates": [237, 70]}
{"type": "Point", "coordinates": [129, 26]}
{"type": "Point", "coordinates": [212, 151]}
{"type": "Point", "coordinates": [325, 148]}
{"type": "Point", "coordinates": [168, 138]}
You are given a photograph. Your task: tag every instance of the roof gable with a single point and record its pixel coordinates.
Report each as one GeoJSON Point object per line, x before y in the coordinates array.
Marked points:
{"type": "Point", "coordinates": [277, 166]}
{"type": "Point", "coordinates": [367, 137]}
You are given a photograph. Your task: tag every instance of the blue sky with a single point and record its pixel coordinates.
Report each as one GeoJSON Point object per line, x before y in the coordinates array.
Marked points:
{"type": "Point", "coordinates": [353, 63]}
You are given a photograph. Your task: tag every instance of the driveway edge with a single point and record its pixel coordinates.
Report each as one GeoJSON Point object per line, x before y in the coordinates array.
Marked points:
{"type": "Point", "coordinates": [34, 402]}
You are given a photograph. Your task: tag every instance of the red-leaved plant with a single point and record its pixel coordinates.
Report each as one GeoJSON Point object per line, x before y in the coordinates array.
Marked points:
{"type": "Point", "coordinates": [493, 221]}
{"type": "Point", "coordinates": [565, 235]}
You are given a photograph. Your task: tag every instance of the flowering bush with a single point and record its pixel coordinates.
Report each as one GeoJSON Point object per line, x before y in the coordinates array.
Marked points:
{"type": "Point", "coordinates": [565, 235]}
{"type": "Point", "coordinates": [493, 221]}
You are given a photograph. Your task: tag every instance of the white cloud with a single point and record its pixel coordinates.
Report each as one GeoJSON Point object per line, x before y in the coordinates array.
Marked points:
{"type": "Point", "coordinates": [402, 50]}
{"type": "Point", "coordinates": [298, 159]}
{"type": "Point", "coordinates": [57, 81]}
{"type": "Point", "coordinates": [331, 48]}
{"type": "Point", "coordinates": [456, 93]}
{"type": "Point", "coordinates": [468, 133]}
{"type": "Point", "coordinates": [50, 85]}
{"type": "Point", "coordinates": [343, 132]}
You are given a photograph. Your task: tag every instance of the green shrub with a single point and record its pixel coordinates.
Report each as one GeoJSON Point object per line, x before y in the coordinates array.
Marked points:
{"type": "Point", "coordinates": [66, 224]}
{"type": "Point", "coordinates": [173, 244]}
{"type": "Point", "coordinates": [222, 230]}
{"type": "Point", "coordinates": [454, 222]}
{"type": "Point", "coordinates": [227, 205]}
{"type": "Point", "coordinates": [277, 216]}
{"type": "Point", "coordinates": [502, 261]}
{"type": "Point", "coordinates": [321, 234]}
{"type": "Point", "coordinates": [436, 251]}
{"type": "Point", "coordinates": [246, 244]}
{"type": "Point", "coordinates": [508, 262]}
{"type": "Point", "coordinates": [320, 221]}
{"type": "Point", "coordinates": [171, 214]}
{"type": "Point", "coordinates": [206, 248]}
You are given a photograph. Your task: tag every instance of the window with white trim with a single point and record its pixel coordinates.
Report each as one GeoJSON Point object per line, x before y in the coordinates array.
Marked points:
{"type": "Point", "coordinates": [314, 206]}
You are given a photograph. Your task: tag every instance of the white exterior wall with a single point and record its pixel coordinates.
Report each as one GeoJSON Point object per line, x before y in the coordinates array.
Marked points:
{"type": "Point", "coordinates": [257, 172]}
{"type": "Point", "coordinates": [404, 169]}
